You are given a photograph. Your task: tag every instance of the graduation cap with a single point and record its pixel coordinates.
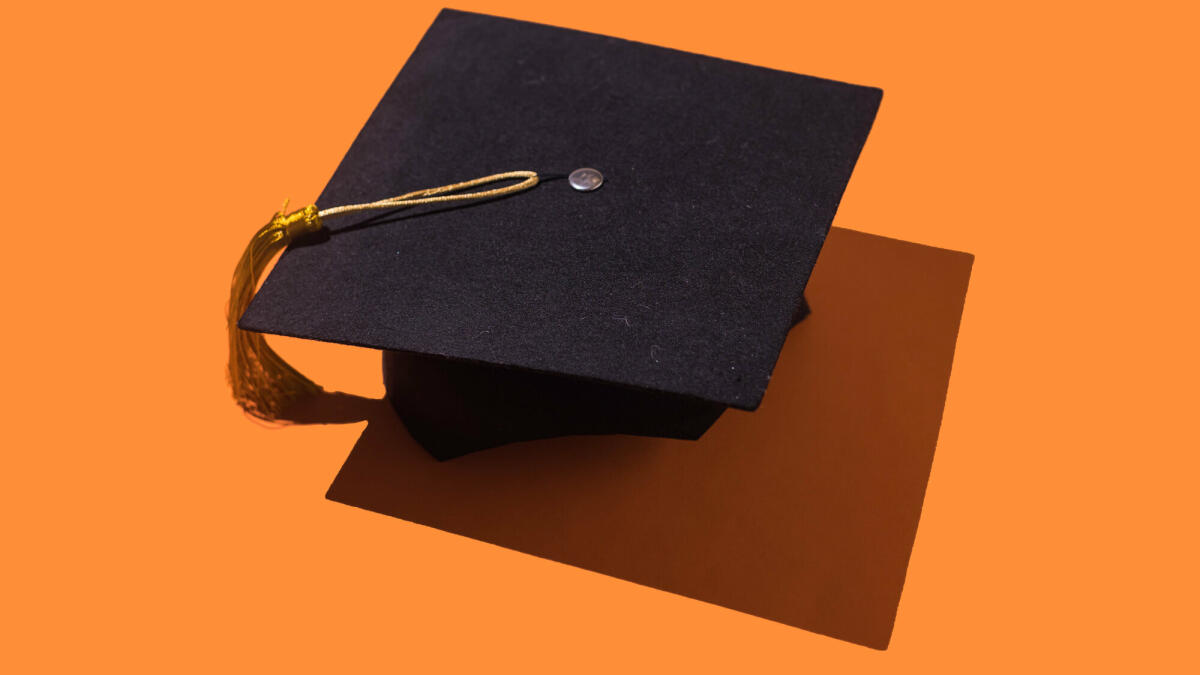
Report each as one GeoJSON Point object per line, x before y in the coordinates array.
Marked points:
{"type": "Point", "coordinates": [630, 260]}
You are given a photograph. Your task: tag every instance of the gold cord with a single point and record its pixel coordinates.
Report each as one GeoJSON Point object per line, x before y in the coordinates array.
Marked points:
{"type": "Point", "coordinates": [427, 196]}
{"type": "Point", "coordinates": [263, 384]}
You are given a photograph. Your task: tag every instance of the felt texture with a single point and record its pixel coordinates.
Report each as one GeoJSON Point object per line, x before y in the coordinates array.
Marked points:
{"type": "Point", "coordinates": [803, 512]}
{"type": "Point", "coordinates": [680, 275]}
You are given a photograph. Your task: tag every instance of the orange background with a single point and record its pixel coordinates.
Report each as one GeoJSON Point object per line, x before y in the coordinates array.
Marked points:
{"type": "Point", "coordinates": [149, 526]}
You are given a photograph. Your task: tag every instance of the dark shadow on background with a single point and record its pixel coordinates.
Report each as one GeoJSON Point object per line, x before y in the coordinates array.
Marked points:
{"type": "Point", "coordinates": [803, 512]}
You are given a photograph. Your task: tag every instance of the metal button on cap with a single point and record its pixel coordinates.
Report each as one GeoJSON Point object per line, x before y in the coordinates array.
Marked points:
{"type": "Point", "coordinates": [585, 180]}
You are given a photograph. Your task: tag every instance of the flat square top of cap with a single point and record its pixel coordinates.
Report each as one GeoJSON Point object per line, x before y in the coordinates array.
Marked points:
{"type": "Point", "coordinates": [680, 274]}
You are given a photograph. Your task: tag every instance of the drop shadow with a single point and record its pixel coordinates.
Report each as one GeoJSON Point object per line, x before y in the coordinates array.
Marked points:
{"type": "Point", "coordinates": [803, 512]}
{"type": "Point", "coordinates": [333, 407]}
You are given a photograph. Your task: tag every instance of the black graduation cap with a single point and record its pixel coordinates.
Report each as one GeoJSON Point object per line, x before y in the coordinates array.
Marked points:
{"type": "Point", "coordinates": [646, 306]}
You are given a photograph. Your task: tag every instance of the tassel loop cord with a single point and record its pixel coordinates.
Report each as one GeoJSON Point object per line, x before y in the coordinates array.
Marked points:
{"type": "Point", "coordinates": [439, 195]}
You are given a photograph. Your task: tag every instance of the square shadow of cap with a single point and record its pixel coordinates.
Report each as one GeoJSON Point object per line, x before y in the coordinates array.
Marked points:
{"type": "Point", "coordinates": [803, 512]}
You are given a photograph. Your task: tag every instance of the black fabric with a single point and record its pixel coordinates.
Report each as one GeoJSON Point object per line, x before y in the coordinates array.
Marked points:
{"type": "Point", "coordinates": [454, 407]}
{"type": "Point", "coordinates": [680, 275]}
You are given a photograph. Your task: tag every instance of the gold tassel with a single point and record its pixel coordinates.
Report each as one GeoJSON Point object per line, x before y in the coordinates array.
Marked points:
{"type": "Point", "coordinates": [263, 383]}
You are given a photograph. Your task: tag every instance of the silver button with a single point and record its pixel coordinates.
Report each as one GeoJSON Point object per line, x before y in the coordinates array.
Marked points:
{"type": "Point", "coordinates": [585, 180]}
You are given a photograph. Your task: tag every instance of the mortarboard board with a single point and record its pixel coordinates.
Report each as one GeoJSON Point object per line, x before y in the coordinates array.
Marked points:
{"type": "Point", "coordinates": [647, 306]}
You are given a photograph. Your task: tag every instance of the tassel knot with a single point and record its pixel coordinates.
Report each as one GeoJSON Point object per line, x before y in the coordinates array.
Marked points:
{"type": "Point", "coordinates": [291, 226]}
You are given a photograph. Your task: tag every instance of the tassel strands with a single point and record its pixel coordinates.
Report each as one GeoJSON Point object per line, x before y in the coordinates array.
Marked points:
{"type": "Point", "coordinates": [263, 383]}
